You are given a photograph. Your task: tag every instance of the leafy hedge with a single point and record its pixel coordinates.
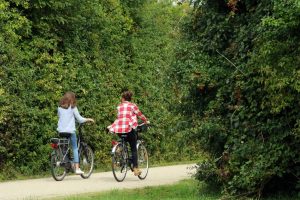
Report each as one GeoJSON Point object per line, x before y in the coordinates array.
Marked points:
{"type": "Point", "coordinates": [222, 76]}
{"type": "Point", "coordinates": [95, 49]}
{"type": "Point", "coordinates": [238, 72]}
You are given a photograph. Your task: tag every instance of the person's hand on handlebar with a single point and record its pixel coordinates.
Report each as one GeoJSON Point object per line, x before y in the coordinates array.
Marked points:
{"type": "Point", "coordinates": [108, 130]}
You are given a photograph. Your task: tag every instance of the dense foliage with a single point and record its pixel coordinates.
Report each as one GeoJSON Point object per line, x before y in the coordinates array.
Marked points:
{"type": "Point", "coordinates": [218, 75]}
{"type": "Point", "coordinates": [95, 49]}
{"type": "Point", "coordinates": [238, 70]}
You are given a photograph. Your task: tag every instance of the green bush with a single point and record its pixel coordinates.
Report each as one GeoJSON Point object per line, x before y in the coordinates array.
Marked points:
{"type": "Point", "coordinates": [94, 49]}
{"type": "Point", "coordinates": [237, 71]}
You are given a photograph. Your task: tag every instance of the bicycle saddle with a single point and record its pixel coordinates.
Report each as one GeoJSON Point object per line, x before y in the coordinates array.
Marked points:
{"type": "Point", "coordinates": [65, 135]}
{"type": "Point", "coordinates": [54, 140]}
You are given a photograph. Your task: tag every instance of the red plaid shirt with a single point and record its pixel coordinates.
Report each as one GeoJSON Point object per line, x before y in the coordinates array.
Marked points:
{"type": "Point", "coordinates": [127, 118]}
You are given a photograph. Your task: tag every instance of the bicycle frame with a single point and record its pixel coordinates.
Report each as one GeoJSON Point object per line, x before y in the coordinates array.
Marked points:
{"type": "Point", "coordinates": [121, 159]}
{"type": "Point", "coordinates": [62, 147]}
{"type": "Point", "coordinates": [124, 146]}
{"type": "Point", "coordinates": [122, 141]}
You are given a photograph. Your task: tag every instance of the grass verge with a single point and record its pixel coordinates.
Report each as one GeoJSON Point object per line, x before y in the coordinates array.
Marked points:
{"type": "Point", "coordinates": [186, 189]}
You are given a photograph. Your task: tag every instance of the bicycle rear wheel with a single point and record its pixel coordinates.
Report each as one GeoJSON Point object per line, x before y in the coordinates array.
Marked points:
{"type": "Point", "coordinates": [143, 161]}
{"type": "Point", "coordinates": [119, 165]}
{"type": "Point", "coordinates": [58, 171]}
{"type": "Point", "coordinates": [86, 157]}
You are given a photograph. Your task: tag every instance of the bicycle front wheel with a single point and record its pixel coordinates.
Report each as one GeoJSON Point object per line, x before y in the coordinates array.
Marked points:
{"type": "Point", "coordinates": [143, 161]}
{"type": "Point", "coordinates": [86, 157]}
{"type": "Point", "coordinates": [58, 171]}
{"type": "Point", "coordinates": [119, 164]}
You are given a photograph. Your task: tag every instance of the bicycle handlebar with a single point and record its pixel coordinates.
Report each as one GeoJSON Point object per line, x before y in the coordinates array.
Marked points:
{"type": "Point", "coordinates": [140, 128]}
{"type": "Point", "coordinates": [81, 125]}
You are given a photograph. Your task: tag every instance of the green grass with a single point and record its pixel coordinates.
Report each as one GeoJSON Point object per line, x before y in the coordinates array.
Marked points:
{"type": "Point", "coordinates": [187, 190]}
{"type": "Point", "coordinates": [162, 164]}
{"type": "Point", "coordinates": [183, 190]}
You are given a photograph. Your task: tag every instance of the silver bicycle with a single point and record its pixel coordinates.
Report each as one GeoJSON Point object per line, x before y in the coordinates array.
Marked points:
{"type": "Point", "coordinates": [61, 159]}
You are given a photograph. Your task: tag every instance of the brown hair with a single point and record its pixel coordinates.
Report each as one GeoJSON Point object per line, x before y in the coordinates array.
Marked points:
{"type": "Point", "coordinates": [126, 95]}
{"type": "Point", "coordinates": [68, 100]}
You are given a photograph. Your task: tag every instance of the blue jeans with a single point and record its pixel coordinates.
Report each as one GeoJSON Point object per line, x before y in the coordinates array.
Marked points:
{"type": "Point", "coordinates": [75, 147]}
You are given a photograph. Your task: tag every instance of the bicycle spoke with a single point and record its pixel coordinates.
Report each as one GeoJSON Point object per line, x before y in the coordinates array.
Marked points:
{"type": "Point", "coordinates": [143, 161]}
{"type": "Point", "coordinates": [86, 161]}
{"type": "Point", "coordinates": [119, 166]}
{"type": "Point", "coordinates": [58, 171]}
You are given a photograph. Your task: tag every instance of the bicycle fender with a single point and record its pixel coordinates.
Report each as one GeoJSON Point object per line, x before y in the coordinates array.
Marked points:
{"type": "Point", "coordinates": [113, 150]}
{"type": "Point", "coordinates": [138, 143]}
{"type": "Point", "coordinates": [53, 153]}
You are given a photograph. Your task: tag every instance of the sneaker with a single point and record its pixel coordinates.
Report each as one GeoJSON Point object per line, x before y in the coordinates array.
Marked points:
{"type": "Point", "coordinates": [137, 171]}
{"type": "Point", "coordinates": [78, 171]}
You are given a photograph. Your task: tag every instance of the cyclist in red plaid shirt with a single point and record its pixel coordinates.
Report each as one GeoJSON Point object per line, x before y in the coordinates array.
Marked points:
{"type": "Point", "coordinates": [127, 123]}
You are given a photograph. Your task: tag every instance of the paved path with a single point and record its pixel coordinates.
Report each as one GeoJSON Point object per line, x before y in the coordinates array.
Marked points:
{"type": "Point", "coordinates": [48, 188]}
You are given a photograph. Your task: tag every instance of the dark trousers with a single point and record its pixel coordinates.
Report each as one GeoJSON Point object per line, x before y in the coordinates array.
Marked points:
{"type": "Point", "coordinates": [132, 140]}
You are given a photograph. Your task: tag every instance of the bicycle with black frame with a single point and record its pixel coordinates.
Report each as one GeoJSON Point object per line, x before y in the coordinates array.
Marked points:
{"type": "Point", "coordinates": [122, 160]}
{"type": "Point", "coordinates": [61, 159]}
